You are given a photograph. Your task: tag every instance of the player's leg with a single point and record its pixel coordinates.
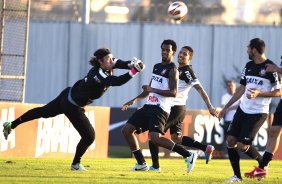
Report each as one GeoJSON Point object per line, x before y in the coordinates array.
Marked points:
{"type": "Point", "coordinates": [232, 133]}
{"type": "Point", "coordinates": [128, 132]}
{"type": "Point", "coordinates": [271, 147]}
{"type": "Point", "coordinates": [170, 145]}
{"type": "Point", "coordinates": [234, 157]}
{"type": "Point", "coordinates": [175, 115]}
{"type": "Point", "coordinates": [81, 123]}
{"type": "Point", "coordinates": [157, 123]}
{"type": "Point", "coordinates": [207, 149]}
{"type": "Point", "coordinates": [137, 123]}
{"type": "Point", "coordinates": [250, 129]}
{"type": "Point", "coordinates": [49, 110]}
{"type": "Point", "coordinates": [175, 121]}
{"type": "Point", "coordinates": [154, 150]}
{"type": "Point", "coordinates": [274, 137]}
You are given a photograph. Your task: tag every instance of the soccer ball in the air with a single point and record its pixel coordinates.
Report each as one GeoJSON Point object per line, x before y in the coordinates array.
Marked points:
{"type": "Point", "coordinates": [177, 10]}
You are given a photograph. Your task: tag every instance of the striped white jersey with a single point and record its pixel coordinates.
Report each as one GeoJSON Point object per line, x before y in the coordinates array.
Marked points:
{"type": "Point", "coordinates": [187, 79]}
{"type": "Point", "coordinates": [160, 80]}
{"type": "Point", "coordinates": [255, 76]}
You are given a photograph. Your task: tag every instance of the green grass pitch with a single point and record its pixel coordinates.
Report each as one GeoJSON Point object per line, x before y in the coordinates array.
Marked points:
{"type": "Point", "coordinates": [117, 170]}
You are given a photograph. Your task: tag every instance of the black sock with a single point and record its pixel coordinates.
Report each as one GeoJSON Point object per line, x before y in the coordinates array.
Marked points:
{"type": "Point", "coordinates": [139, 156]}
{"type": "Point", "coordinates": [187, 141]}
{"type": "Point", "coordinates": [253, 153]}
{"type": "Point", "coordinates": [267, 157]}
{"type": "Point", "coordinates": [181, 151]}
{"type": "Point", "coordinates": [154, 149]}
{"type": "Point", "coordinates": [234, 158]}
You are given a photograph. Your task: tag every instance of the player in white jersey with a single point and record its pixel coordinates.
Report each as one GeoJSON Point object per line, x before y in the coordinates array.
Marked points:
{"type": "Point", "coordinates": [187, 80]}
{"type": "Point", "coordinates": [257, 86]}
{"type": "Point", "coordinates": [154, 114]}
{"type": "Point", "coordinates": [274, 135]}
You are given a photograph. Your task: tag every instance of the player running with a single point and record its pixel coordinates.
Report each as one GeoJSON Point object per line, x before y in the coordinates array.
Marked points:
{"type": "Point", "coordinates": [72, 100]}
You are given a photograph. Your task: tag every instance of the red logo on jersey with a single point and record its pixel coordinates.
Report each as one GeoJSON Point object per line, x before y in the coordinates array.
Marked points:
{"type": "Point", "coordinates": [153, 99]}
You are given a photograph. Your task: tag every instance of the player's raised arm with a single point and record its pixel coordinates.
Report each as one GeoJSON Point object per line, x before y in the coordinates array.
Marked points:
{"type": "Point", "coordinates": [112, 80]}
{"type": "Point", "coordinates": [120, 64]}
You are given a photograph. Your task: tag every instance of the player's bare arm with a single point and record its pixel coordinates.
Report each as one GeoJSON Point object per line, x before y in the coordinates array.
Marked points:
{"type": "Point", "coordinates": [237, 95]}
{"type": "Point", "coordinates": [253, 93]}
{"type": "Point", "coordinates": [206, 99]}
{"type": "Point", "coordinates": [138, 98]}
{"type": "Point", "coordinates": [173, 85]}
{"type": "Point", "coordinates": [233, 107]}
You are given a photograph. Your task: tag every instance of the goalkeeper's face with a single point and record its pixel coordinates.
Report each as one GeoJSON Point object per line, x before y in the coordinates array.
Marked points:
{"type": "Point", "coordinates": [106, 62]}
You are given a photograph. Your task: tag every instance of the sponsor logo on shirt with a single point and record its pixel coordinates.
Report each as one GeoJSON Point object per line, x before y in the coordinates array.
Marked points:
{"type": "Point", "coordinates": [153, 99]}
{"type": "Point", "coordinates": [158, 79]}
{"type": "Point", "coordinates": [255, 81]}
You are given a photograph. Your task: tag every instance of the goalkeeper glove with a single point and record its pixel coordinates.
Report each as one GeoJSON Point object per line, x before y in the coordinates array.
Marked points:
{"type": "Point", "coordinates": [137, 67]}
{"type": "Point", "coordinates": [134, 60]}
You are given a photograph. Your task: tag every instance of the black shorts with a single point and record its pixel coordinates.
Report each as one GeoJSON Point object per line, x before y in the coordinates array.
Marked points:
{"type": "Point", "coordinates": [277, 120]}
{"type": "Point", "coordinates": [149, 117]}
{"type": "Point", "coordinates": [175, 119]}
{"type": "Point", "coordinates": [226, 126]}
{"type": "Point", "coordinates": [245, 126]}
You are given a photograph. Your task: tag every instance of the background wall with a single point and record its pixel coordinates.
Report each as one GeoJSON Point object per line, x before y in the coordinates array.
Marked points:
{"type": "Point", "coordinates": [59, 52]}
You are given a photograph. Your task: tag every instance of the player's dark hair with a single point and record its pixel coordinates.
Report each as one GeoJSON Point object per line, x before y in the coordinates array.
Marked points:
{"type": "Point", "coordinates": [190, 51]}
{"type": "Point", "coordinates": [258, 44]}
{"type": "Point", "coordinates": [99, 54]}
{"type": "Point", "coordinates": [170, 42]}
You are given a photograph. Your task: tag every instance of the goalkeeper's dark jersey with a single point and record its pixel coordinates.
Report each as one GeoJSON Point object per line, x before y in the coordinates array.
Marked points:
{"type": "Point", "coordinates": [96, 82]}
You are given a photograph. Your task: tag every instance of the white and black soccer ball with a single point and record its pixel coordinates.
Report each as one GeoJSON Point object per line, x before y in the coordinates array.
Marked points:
{"type": "Point", "coordinates": [177, 10]}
